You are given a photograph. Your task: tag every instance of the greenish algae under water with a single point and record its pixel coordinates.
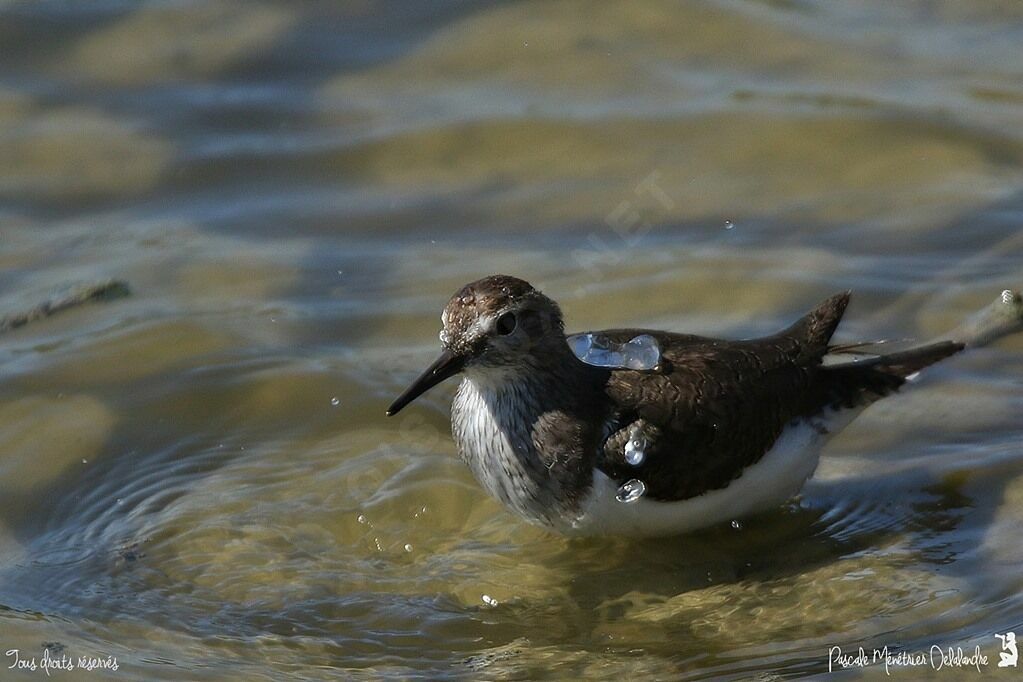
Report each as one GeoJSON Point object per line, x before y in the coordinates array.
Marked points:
{"type": "Point", "coordinates": [293, 191]}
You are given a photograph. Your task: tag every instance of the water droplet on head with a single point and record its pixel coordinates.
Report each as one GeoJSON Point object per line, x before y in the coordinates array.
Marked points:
{"type": "Point", "coordinates": [631, 490]}
{"type": "Point", "coordinates": [335, 401]}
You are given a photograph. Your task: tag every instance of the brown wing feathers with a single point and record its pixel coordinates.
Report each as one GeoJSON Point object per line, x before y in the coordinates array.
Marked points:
{"type": "Point", "coordinates": [720, 405]}
{"type": "Point", "coordinates": [864, 381]}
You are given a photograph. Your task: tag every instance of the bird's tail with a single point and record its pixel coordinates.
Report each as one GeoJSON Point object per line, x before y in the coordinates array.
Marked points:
{"type": "Point", "coordinates": [814, 329]}
{"type": "Point", "coordinates": [864, 380]}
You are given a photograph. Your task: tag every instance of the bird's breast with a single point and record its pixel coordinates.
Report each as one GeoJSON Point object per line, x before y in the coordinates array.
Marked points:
{"type": "Point", "coordinates": [493, 427]}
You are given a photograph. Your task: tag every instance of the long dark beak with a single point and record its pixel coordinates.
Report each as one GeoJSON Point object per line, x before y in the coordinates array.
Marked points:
{"type": "Point", "coordinates": [447, 365]}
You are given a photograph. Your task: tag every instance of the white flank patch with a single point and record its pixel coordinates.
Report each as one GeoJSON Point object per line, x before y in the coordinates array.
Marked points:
{"type": "Point", "coordinates": [775, 478]}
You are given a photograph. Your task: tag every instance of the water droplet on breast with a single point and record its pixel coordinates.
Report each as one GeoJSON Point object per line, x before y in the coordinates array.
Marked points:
{"type": "Point", "coordinates": [631, 490]}
{"type": "Point", "coordinates": [641, 352]}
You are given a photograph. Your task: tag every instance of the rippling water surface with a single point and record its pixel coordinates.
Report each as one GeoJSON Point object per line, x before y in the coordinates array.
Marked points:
{"type": "Point", "coordinates": [198, 479]}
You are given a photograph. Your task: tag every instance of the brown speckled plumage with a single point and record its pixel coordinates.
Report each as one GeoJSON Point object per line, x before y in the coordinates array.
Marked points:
{"type": "Point", "coordinates": [720, 405]}
{"type": "Point", "coordinates": [534, 422]}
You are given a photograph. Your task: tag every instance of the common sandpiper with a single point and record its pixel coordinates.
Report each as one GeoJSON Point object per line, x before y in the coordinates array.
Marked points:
{"type": "Point", "coordinates": [642, 432]}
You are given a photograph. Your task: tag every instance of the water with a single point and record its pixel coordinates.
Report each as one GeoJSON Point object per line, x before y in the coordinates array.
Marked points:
{"type": "Point", "coordinates": [631, 491]}
{"type": "Point", "coordinates": [293, 191]}
{"type": "Point", "coordinates": [639, 353]}
{"type": "Point", "coordinates": [635, 447]}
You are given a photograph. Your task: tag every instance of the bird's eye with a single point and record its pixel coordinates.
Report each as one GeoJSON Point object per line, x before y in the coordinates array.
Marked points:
{"type": "Point", "coordinates": [506, 324]}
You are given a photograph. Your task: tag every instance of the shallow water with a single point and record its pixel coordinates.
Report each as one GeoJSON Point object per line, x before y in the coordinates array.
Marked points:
{"type": "Point", "coordinates": [199, 480]}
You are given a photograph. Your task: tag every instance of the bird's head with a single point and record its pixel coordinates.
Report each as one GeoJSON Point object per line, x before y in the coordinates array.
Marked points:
{"type": "Point", "coordinates": [493, 325]}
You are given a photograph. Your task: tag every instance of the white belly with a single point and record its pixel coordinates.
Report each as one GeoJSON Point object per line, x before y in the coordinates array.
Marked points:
{"type": "Point", "coordinates": [484, 424]}
{"type": "Point", "coordinates": [775, 478]}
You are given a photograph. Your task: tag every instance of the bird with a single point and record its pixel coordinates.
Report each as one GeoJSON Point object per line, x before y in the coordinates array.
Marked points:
{"type": "Point", "coordinates": [640, 432]}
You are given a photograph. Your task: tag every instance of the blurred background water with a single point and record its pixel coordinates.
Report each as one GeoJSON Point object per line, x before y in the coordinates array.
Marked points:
{"type": "Point", "coordinates": [199, 480]}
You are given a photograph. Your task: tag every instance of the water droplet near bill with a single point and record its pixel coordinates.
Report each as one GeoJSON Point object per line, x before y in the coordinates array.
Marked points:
{"type": "Point", "coordinates": [641, 352]}
{"type": "Point", "coordinates": [631, 490]}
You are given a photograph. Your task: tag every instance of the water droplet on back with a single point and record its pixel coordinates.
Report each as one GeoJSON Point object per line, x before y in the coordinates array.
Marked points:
{"type": "Point", "coordinates": [631, 490]}
{"type": "Point", "coordinates": [642, 352]}
{"type": "Point", "coordinates": [639, 353]}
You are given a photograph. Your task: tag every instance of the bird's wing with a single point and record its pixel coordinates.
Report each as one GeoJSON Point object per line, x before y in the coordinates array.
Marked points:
{"type": "Point", "coordinates": [715, 407]}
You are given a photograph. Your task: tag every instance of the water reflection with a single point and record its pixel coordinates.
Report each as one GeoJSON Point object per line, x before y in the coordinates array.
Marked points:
{"type": "Point", "coordinates": [294, 191]}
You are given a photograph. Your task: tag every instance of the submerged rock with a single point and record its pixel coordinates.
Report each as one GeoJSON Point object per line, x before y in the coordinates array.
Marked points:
{"type": "Point", "coordinates": [1002, 317]}
{"type": "Point", "coordinates": [67, 297]}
